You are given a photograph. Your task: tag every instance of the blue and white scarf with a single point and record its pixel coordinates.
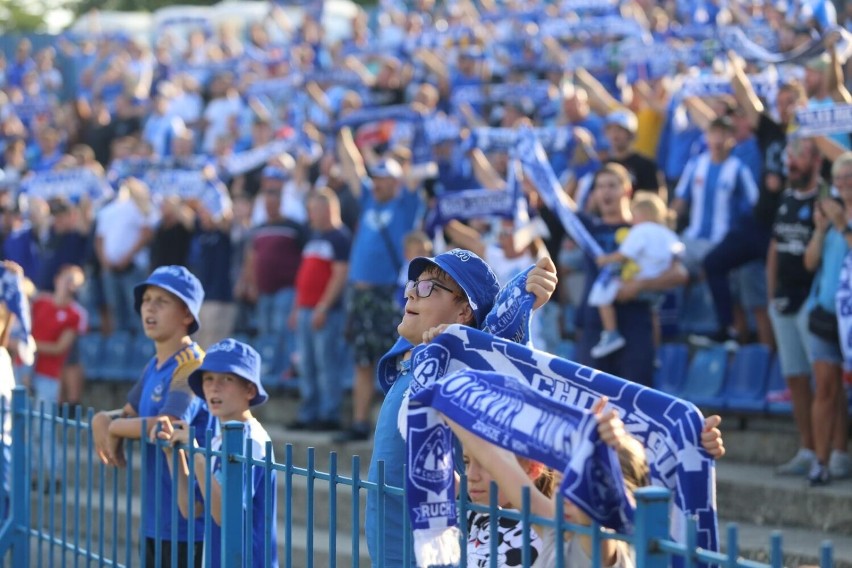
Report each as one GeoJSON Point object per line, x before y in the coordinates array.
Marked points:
{"type": "Point", "coordinates": [736, 39]}
{"type": "Point", "coordinates": [473, 203]}
{"type": "Point", "coordinates": [503, 410]}
{"type": "Point", "coordinates": [552, 139]}
{"type": "Point", "coordinates": [242, 162]}
{"type": "Point", "coordinates": [821, 121]}
{"type": "Point", "coordinates": [74, 184]}
{"type": "Point", "coordinates": [669, 428]}
{"type": "Point", "coordinates": [843, 309]}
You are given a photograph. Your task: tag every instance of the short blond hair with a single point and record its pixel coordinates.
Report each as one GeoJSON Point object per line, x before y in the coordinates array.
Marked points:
{"type": "Point", "coordinates": [650, 204]}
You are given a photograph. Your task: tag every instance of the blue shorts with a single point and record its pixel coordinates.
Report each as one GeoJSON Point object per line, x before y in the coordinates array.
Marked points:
{"type": "Point", "coordinates": [824, 351]}
{"type": "Point", "coordinates": [750, 284]}
{"type": "Point", "coordinates": [792, 339]}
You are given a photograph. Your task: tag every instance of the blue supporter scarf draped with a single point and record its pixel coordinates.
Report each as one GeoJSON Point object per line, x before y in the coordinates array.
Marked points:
{"type": "Point", "coordinates": [529, 151]}
{"type": "Point", "coordinates": [669, 428]}
{"type": "Point", "coordinates": [736, 39]}
{"type": "Point", "coordinates": [551, 138]}
{"type": "Point", "coordinates": [187, 178]}
{"type": "Point", "coordinates": [473, 203]}
{"type": "Point", "coordinates": [504, 411]}
{"type": "Point", "coordinates": [822, 121]}
{"type": "Point", "coordinates": [73, 184]}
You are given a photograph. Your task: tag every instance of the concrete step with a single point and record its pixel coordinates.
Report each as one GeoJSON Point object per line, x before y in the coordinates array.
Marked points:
{"type": "Point", "coordinates": [77, 529]}
{"type": "Point", "coordinates": [752, 493]}
{"type": "Point", "coordinates": [759, 440]}
{"type": "Point", "coordinates": [801, 546]}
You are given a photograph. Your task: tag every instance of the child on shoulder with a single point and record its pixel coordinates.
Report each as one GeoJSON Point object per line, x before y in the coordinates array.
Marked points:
{"type": "Point", "coordinates": [652, 246]}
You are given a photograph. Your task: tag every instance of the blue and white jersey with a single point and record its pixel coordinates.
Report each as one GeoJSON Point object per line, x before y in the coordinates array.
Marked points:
{"type": "Point", "coordinates": [720, 196]}
{"type": "Point", "coordinates": [156, 394]}
{"type": "Point", "coordinates": [256, 476]}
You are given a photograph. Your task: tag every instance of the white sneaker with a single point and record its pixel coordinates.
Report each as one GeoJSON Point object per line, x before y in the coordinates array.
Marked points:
{"type": "Point", "coordinates": [610, 342]}
{"type": "Point", "coordinates": [839, 465]}
{"type": "Point", "coordinates": [800, 464]}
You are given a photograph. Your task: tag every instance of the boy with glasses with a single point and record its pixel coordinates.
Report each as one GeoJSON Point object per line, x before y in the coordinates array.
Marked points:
{"type": "Point", "coordinates": [454, 287]}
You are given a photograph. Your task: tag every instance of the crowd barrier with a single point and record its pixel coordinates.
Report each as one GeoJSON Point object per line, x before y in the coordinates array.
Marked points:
{"type": "Point", "coordinates": [92, 517]}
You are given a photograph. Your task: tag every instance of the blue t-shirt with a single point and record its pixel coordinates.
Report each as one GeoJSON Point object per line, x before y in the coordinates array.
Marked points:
{"type": "Point", "coordinates": [635, 361]}
{"type": "Point", "coordinates": [750, 155]}
{"type": "Point", "coordinates": [827, 280]}
{"type": "Point", "coordinates": [389, 446]}
{"type": "Point", "coordinates": [155, 395]}
{"type": "Point", "coordinates": [677, 141]}
{"type": "Point", "coordinates": [260, 532]}
{"type": "Point", "coordinates": [371, 261]}
{"type": "Point", "coordinates": [22, 246]}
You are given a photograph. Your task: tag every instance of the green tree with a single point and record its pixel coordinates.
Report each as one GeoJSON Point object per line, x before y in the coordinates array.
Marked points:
{"type": "Point", "coordinates": [84, 6]}
{"type": "Point", "coordinates": [22, 15]}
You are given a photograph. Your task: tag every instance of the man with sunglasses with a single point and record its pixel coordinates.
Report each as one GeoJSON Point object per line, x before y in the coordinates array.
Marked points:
{"type": "Point", "coordinates": [453, 287]}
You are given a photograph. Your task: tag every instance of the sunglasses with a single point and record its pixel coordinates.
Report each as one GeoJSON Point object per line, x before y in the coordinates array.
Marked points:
{"type": "Point", "coordinates": [423, 288]}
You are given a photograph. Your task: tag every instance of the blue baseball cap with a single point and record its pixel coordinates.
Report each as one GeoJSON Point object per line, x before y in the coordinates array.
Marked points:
{"type": "Point", "coordinates": [470, 272]}
{"type": "Point", "coordinates": [231, 356]}
{"type": "Point", "coordinates": [180, 282]}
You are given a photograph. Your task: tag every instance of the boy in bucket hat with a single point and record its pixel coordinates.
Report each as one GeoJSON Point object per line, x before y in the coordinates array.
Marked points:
{"type": "Point", "coordinates": [168, 302]}
{"type": "Point", "coordinates": [453, 287]}
{"type": "Point", "coordinates": [229, 380]}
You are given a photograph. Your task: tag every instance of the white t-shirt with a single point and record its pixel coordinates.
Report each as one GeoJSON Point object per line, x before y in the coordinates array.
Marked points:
{"type": "Point", "coordinates": [652, 247]}
{"type": "Point", "coordinates": [217, 114]}
{"type": "Point", "coordinates": [573, 553]}
{"type": "Point", "coordinates": [120, 225]}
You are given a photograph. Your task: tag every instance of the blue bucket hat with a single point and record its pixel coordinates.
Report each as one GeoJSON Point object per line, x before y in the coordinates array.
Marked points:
{"type": "Point", "coordinates": [470, 272]}
{"type": "Point", "coordinates": [180, 282]}
{"type": "Point", "coordinates": [231, 356]}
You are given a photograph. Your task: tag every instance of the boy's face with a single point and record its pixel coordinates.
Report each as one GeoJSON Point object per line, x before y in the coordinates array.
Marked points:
{"type": "Point", "coordinates": [227, 395]}
{"type": "Point", "coordinates": [441, 307]}
{"type": "Point", "coordinates": [164, 315]}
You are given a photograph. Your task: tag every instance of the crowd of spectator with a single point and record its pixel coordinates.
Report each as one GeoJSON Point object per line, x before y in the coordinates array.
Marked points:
{"type": "Point", "coordinates": [296, 177]}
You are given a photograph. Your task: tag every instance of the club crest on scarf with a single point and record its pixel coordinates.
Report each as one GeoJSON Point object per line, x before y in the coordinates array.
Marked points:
{"type": "Point", "coordinates": [429, 454]}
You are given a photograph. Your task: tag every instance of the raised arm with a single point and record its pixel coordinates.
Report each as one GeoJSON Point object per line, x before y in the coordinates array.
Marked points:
{"type": "Point", "coordinates": [351, 161]}
{"type": "Point", "coordinates": [744, 91]}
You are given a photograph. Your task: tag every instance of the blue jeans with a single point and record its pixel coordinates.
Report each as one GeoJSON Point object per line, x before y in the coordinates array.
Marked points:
{"type": "Point", "coordinates": [321, 356]}
{"type": "Point", "coordinates": [46, 389]}
{"type": "Point", "coordinates": [118, 294]}
{"type": "Point", "coordinates": [272, 311]}
{"type": "Point", "coordinates": [740, 246]}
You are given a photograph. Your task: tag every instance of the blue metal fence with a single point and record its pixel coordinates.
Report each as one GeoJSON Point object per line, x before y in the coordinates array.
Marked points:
{"type": "Point", "coordinates": [91, 517]}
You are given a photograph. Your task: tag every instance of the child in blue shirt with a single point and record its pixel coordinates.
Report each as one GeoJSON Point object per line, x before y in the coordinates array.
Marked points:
{"type": "Point", "coordinates": [168, 303]}
{"type": "Point", "coordinates": [229, 380]}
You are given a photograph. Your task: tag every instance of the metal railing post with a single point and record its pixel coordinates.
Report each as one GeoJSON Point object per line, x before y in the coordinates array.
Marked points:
{"type": "Point", "coordinates": [232, 494]}
{"type": "Point", "coordinates": [652, 524]}
{"type": "Point", "coordinates": [20, 479]}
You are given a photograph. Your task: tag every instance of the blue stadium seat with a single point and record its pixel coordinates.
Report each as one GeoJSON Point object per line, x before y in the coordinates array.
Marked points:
{"type": "Point", "coordinates": [705, 379]}
{"type": "Point", "coordinates": [272, 365]}
{"type": "Point", "coordinates": [117, 356]}
{"type": "Point", "coordinates": [777, 384]}
{"type": "Point", "coordinates": [673, 360]}
{"type": "Point", "coordinates": [747, 378]}
{"type": "Point", "coordinates": [90, 347]}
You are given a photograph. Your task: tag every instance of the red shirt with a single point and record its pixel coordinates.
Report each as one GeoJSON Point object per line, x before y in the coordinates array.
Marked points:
{"type": "Point", "coordinates": [49, 322]}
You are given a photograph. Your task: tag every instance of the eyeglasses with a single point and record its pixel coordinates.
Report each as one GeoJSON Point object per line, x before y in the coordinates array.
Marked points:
{"type": "Point", "coordinates": [423, 288]}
